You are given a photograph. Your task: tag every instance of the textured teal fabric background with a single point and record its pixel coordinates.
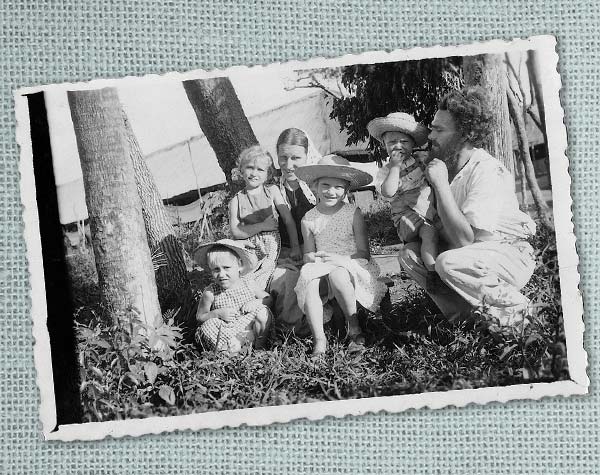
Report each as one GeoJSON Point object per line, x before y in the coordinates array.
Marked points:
{"type": "Point", "coordinates": [47, 42]}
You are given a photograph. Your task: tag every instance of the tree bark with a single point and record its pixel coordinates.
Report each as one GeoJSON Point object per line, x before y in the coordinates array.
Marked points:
{"type": "Point", "coordinates": [534, 69]}
{"type": "Point", "coordinates": [173, 285]}
{"type": "Point", "coordinates": [222, 119]}
{"type": "Point", "coordinates": [489, 72]}
{"type": "Point", "coordinates": [125, 273]}
{"type": "Point", "coordinates": [540, 204]}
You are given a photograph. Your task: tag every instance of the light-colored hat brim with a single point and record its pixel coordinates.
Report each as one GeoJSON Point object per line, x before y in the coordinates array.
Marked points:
{"type": "Point", "coordinates": [379, 126]}
{"type": "Point", "coordinates": [356, 178]}
{"type": "Point", "coordinates": [237, 247]}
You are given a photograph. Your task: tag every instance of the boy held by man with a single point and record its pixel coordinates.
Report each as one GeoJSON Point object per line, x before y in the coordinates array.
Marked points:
{"type": "Point", "coordinates": [402, 181]}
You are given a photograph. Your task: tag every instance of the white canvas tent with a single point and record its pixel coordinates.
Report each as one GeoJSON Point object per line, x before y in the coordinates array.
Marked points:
{"type": "Point", "coordinates": [188, 164]}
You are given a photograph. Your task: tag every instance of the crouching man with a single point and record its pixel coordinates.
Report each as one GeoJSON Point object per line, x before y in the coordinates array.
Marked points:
{"type": "Point", "coordinates": [486, 258]}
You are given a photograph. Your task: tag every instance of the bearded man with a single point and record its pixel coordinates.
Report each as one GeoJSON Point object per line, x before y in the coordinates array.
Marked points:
{"type": "Point", "coordinates": [487, 258]}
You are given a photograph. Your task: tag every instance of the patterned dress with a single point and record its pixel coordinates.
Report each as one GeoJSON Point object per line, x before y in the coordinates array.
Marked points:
{"type": "Point", "coordinates": [334, 233]}
{"type": "Point", "coordinates": [216, 334]}
{"type": "Point", "coordinates": [254, 209]}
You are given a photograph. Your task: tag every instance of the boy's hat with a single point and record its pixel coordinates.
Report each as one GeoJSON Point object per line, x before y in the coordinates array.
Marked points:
{"type": "Point", "coordinates": [334, 166]}
{"type": "Point", "coordinates": [237, 247]}
{"type": "Point", "coordinates": [398, 122]}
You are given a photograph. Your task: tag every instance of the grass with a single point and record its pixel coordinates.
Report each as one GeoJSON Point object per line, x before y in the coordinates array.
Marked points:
{"type": "Point", "coordinates": [410, 350]}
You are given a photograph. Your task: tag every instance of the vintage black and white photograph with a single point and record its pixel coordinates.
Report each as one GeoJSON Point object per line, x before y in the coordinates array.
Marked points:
{"type": "Point", "coordinates": [332, 237]}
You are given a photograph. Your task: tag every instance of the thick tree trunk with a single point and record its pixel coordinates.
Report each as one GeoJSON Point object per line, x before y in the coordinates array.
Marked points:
{"type": "Point", "coordinates": [125, 273]}
{"type": "Point", "coordinates": [221, 118]}
{"type": "Point", "coordinates": [174, 290]}
{"type": "Point", "coordinates": [540, 204]}
{"type": "Point", "coordinates": [489, 72]}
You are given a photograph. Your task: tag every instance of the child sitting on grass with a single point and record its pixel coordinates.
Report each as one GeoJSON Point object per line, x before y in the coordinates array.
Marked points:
{"type": "Point", "coordinates": [336, 250]}
{"type": "Point", "coordinates": [233, 311]}
{"type": "Point", "coordinates": [254, 211]}
{"type": "Point", "coordinates": [403, 181]}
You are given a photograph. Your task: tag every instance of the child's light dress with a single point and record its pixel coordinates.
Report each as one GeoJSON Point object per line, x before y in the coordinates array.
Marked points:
{"type": "Point", "coordinates": [254, 209]}
{"type": "Point", "coordinates": [334, 233]}
{"type": "Point", "coordinates": [216, 334]}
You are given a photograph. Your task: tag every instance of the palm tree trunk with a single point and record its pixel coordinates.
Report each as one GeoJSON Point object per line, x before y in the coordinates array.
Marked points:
{"type": "Point", "coordinates": [489, 72]}
{"type": "Point", "coordinates": [221, 118]}
{"type": "Point", "coordinates": [541, 206]}
{"type": "Point", "coordinates": [125, 273]}
{"type": "Point", "coordinates": [173, 285]}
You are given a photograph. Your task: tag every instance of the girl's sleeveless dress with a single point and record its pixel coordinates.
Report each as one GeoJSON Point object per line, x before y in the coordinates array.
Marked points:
{"type": "Point", "coordinates": [216, 334]}
{"type": "Point", "coordinates": [334, 233]}
{"type": "Point", "coordinates": [253, 209]}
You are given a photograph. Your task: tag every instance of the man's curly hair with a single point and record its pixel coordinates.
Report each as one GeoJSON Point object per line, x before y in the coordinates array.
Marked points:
{"type": "Point", "coordinates": [471, 109]}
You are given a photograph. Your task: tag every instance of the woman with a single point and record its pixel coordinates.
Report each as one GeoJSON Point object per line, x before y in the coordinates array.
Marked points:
{"type": "Point", "coordinates": [294, 149]}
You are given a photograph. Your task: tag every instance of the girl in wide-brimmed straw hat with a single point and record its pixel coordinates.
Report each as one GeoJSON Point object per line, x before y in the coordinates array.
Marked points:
{"type": "Point", "coordinates": [233, 310]}
{"type": "Point", "coordinates": [402, 180]}
{"type": "Point", "coordinates": [336, 250]}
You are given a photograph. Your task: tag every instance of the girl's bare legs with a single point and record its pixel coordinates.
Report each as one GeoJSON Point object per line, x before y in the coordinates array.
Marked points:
{"type": "Point", "coordinates": [429, 245]}
{"type": "Point", "coordinates": [262, 321]}
{"type": "Point", "coordinates": [313, 308]}
{"type": "Point", "coordinates": [343, 291]}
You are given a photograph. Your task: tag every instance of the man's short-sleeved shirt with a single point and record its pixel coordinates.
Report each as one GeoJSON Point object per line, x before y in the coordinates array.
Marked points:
{"type": "Point", "coordinates": [484, 191]}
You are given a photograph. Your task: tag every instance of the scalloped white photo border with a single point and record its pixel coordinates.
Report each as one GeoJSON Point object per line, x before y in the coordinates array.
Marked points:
{"type": "Point", "coordinates": [572, 302]}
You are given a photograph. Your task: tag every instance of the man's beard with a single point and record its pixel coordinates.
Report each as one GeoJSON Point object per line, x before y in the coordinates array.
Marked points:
{"type": "Point", "coordinates": [448, 154]}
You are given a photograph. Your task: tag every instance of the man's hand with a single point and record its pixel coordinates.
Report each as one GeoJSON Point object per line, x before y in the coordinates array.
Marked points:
{"type": "Point", "coordinates": [269, 224]}
{"type": "Point", "coordinates": [437, 173]}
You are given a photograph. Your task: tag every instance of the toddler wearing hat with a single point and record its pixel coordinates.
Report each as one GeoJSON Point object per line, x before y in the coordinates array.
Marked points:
{"type": "Point", "coordinates": [233, 310]}
{"type": "Point", "coordinates": [403, 181]}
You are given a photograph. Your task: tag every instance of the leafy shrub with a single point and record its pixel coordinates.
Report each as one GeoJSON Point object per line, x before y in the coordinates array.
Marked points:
{"type": "Point", "coordinates": [122, 365]}
{"type": "Point", "coordinates": [411, 349]}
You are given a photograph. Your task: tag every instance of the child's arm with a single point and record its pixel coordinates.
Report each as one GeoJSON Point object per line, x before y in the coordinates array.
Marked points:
{"type": "Point", "coordinates": [288, 220]}
{"type": "Point", "coordinates": [204, 312]}
{"type": "Point", "coordinates": [309, 242]}
{"type": "Point", "coordinates": [261, 298]}
{"type": "Point", "coordinates": [389, 187]}
{"type": "Point", "coordinates": [244, 231]}
{"type": "Point", "coordinates": [361, 236]}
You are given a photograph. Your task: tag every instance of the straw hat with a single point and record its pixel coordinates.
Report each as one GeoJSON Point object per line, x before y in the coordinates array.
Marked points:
{"type": "Point", "coordinates": [237, 247]}
{"type": "Point", "coordinates": [398, 122]}
{"type": "Point", "coordinates": [334, 166]}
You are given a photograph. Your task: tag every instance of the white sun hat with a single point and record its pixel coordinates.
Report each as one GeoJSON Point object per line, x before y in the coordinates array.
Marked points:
{"type": "Point", "coordinates": [398, 122]}
{"type": "Point", "coordinates": [334, 166]}
{"type": "Point", "coordinates": [237, 247]}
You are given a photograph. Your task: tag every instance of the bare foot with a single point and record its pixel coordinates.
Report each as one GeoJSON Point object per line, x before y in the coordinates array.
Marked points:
{"type": "Point", "coordinates": [319, 347]}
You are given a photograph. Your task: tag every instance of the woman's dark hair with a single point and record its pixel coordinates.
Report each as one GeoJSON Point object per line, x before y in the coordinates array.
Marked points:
{"type": "Point", "coordinates": [293, 136]}
{"type": "Point", "coordinates": [471, 109]}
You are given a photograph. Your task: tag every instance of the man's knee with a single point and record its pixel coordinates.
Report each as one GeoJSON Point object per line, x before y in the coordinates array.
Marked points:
{"type": "Point", "coordinates": [445, 263]}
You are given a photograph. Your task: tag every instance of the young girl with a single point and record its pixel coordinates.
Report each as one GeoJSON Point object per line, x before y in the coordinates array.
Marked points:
{"type": "Point", "coordinates": [403, 182]}
{"type": "Point", "coordinates": [336, 250]}
{"type": "Point", "coordinates": [253, 214]}
{"type": "Point", "coordinates": [232, 311]}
